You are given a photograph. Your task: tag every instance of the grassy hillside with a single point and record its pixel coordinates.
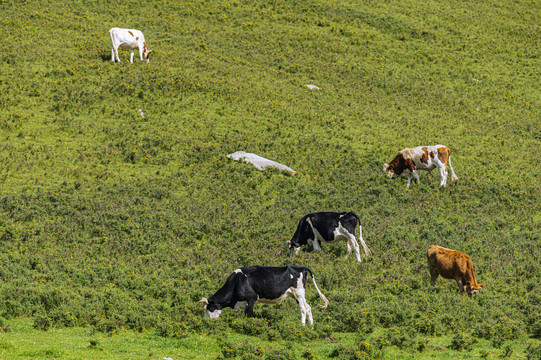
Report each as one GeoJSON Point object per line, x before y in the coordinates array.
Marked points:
{"type": "Point", "coordinates": [117, 221]}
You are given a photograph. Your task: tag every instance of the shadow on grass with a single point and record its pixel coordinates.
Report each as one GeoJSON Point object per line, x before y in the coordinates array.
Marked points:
{"type": "Point", "coordinates": [105, 56]}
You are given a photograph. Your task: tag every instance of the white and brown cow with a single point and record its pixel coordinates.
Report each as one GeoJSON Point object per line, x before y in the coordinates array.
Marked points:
{"type": "Point", "coordinates": [248, 286]}
{"type": "Point", "coordinates": [452, 264]}
{"type": "Point", "coordinates": [129, 39]}
{"type": "Point", "coordinates": [409, 160]}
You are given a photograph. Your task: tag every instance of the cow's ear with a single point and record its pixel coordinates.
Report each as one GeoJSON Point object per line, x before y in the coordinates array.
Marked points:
{"type": "Point", "coordinates": [480, 286]}
{"type": "Point", "coordinates": [204, 301]}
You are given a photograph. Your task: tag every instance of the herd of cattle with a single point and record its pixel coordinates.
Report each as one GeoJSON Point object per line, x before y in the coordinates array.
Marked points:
{"type": "Point", "coordinates": [267, 284]}
{"type": "Point", "coordinates": [248, 286]}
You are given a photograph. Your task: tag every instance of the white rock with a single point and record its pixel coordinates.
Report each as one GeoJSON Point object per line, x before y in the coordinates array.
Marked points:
{"type": "Point", "coordinates": [259, 162]}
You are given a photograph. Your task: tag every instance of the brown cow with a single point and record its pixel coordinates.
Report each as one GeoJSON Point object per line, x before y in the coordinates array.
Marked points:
{"type": "Point", "coordinates": [408, 161]}
{"type": "Point", "coordinates": [452, 264]}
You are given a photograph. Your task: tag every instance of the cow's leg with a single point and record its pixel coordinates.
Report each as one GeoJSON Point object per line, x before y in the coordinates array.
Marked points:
{"type": "Point", "coordinates": [433, 274]}
{"type": "Point", "coordinates": [409, 179]}
{"type": "Point", "coordinates": [352, 243]}
{"type": "Point", "coordinates": [316, 245]}
{"type": "Point", "coordinates": [303, 306]}
{"type": "Point", "coordinates": [131, 56]}
{"type": "Point", "coordinates": [348, 248]}
{"type": "Point", "coordinates": [363, 244]}
{"type": "Point", "coordinates": [113, 54]}
{"type": "Point", "coordinates": [303, 312]}
{"type": "Point", "coordinates": [356, 247]}
{"type": "Point", "coordinates": [141, 52]}
{"type": "Point", "coordinates": [443, 175]}
{"type": "Point", "coordinates": [415, 175]}
{"type": "Point", "coordinates": [308, 313]}
{"type": "Point", "coordinates": [460, 285]}
{"type": "Point", "coordinates": [249, 309]}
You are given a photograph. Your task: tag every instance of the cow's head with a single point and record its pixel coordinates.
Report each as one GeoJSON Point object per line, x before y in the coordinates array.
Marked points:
{"type": "Point", "coordinates": [146, 52]}
{"type": "Point", "coordinates": [388, 170]}
{"type": "Point", "coordinates": [147, 55]}
{"type": "Point", "coordinates": [292, 244]}
{"type": "Point", "coordinates": [473, 288]}
{"type": "Point", "coordinates": [212, 309]}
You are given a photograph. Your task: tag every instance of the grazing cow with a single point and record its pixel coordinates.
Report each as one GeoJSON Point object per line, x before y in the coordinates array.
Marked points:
{"type": "Point", "coordinates": [409, 160]}
{"type": "Point", "coordinates": [452, 264]}
{"type": "Point", "coordinates": [248, 286]}
{"type": "Point", "coordinates": [329, 227]}
{"type": "Point", "coordinates": [129, 39]}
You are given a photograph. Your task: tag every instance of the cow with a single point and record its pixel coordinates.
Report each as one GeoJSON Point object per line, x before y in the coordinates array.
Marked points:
{"type": "Point", "coordinates": [409, 160]}
{"type": "Point", "coordinates": [452, 264]}
{"type": "Point", "coordinates": [329, 227]}
{"type": "Point", "coordinates": [129, 39]}
{"type": "Point", "coordinates": [248, 286]}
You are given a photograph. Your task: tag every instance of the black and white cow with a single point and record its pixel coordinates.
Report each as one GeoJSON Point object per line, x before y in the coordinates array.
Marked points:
{"type": "Point", "coordinates": [248, 286]}
{"type": "Point", "coordinates": [329, 227]}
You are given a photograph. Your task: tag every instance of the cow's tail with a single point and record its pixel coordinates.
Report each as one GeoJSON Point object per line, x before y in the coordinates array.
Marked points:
{"type": "Point", "coordinates": [113, 49]}
{"type": "Point", "coordinates": [111, 35]}
{"type": "Point", "coordinates": [366, 250]}
{"type": "Point", "coordinates": [325, 301]}
{"type": "Point", "coordinates": [453, 174]}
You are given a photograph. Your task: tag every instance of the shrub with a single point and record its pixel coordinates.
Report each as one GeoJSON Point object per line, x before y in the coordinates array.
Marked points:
{"type": "Point", "coordinates": [399, 337]}
{"type": "Point", "coordinates": [249, 326]}
{"type": "Point", "coordinates": [308, 355]}
{"type": "Point", "coordinates": [360, 351]}
{"type": "Point", "coordinates": [3, 326]}
{"type": "Point", "coordinates": [42, 322]}
{"type": "Point", "coordinates": [536, 329]}
{"type": "Point", "coordinates": [507, 352]}
{"type": "Point", "coordinates": [93, 343]}
{"type": "Point", "coordinates": [423, 325]}
{"type": "Point", "coordinates": [483, 330]}
{"type": "Point", "coordinates": [248, 351]}
{"type": "Point", "coordinates": [462, 342]}
{"type": "Point", "coordinates": [280, 354]}
{"type": "Point", "coordinates": [352, 318]}
{"type": "Point", "coordinates": [508, 328]}
{"type": "Point", "coordinates": [533, 352]}
{"type": "Point", "coordinates": [418, 345]}
{"type": "Point", "coordinates": [497, 342]}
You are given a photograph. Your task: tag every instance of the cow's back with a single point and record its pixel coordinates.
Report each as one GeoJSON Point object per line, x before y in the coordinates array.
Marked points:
{"type": "Point", "coordinates": [449, 263]}
{"type": "Point", "coordinates": [270, 282]}
{"type": "Point", "coordinates": [326, 222]}
{"type": "Point", "coordinates": [129, 36]}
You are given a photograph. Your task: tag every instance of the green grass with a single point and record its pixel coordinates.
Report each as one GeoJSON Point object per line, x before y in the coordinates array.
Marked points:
{"type": "Point", "coordinates": [118, 225]}
{"type": "Point", "coordinates": [83, 343]}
